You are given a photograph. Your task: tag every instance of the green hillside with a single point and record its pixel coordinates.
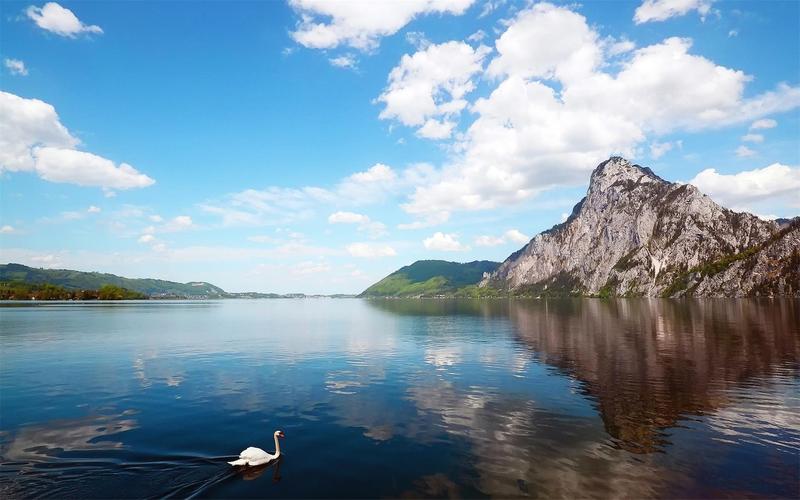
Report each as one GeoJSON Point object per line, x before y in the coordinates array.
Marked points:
{"type": "Point", "coordinates": [79, 280]}
{"type": "Point", "coordinates": [430, 278]}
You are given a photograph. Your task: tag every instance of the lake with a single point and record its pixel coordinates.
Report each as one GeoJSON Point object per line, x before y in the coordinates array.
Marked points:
{"type": "Point", "coordinates": [417, 398]}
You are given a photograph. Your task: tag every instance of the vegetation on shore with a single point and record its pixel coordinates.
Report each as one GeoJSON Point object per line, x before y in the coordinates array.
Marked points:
{"type": "Point", "coordinates": [80, 280]}
{"type": "Point", "coordinates": [16, 290]}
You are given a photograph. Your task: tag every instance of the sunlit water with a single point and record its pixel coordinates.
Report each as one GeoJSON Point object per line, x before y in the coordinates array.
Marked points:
{"type": "Point", "coordinates": [572, 398]}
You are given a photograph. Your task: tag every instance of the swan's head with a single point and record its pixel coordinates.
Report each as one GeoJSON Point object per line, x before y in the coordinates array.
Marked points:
{"type": "Point", "coordinates": [280, 434]}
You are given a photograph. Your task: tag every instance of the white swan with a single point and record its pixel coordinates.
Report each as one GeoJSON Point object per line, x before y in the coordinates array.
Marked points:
{"type": "Point", "coordinates": [257, 456]}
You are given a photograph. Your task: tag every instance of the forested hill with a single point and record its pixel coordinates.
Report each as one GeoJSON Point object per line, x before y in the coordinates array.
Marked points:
{"type": "Point", "coordinates": [80, 280]}
{"type": "Point", "coordinates": [430, 278]}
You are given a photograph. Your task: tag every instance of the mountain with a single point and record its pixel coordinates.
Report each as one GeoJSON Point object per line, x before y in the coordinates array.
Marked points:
{"type": "Point", "coordinates": [430, 278]}
{"type": "Point", "coordinates": [79, 280]}
{"type": "Point", "coordinates": [635, 234]}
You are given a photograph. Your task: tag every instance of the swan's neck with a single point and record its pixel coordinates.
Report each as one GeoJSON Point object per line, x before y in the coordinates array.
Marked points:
{"type": "Point", "coordinates": [277, 446]}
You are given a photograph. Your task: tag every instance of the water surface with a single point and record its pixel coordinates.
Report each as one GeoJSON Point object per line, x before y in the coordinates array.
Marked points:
{"type": "Point", "coordinates": [566, 398]}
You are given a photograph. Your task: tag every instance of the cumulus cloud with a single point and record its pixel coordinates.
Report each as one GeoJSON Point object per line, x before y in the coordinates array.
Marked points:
{"type": "Point", "coordinates": [442, 242]}
{"type": "Point", "coordinates": [93, 209]}
{"type": "Point", "coordinates": [526, 48]}
{"type": "Point", "coordinates": [488, 241]}
{"type": "Point", "coordinates": [16, 67]}
{"type": "Point", "coordinates": [753, 138]}
{"type": "Point", "coordinates": [661, 10]}
{"type": "Point", "coordinates": [59, 20]}
{"type": "Point", "coordinates": [86, 169]}
{"type": "Point", "coordinates": [176, 224]}
{"type": "Point", "coordinates": [512, 235]}
{"type": "Point", "coordinates": [32, 138]}
{"type": "Point", "coordinates": [374, 228]}
{"type": "Point", "coordinates": [516, 236]}
{"type": "Point", "coordinates": [427, 89]}
{"type": "Point", "coordinates": [370, 250]}
{"type": "Point", "coordinates": [560, 109]}
{"type": "Point", "coordinates": [744, 152]}
{"type": "Point", "coordinates": [764, 123]}
{"type": "Point", "coordinates": [347, 218]}
{"type": "Point", "coordinates": [344, 61]}
{"type": "Point", "coordinates": [24, 125]}
{"type": "Point", "coordinates": [737, 190]}
{"type": "Point", "coordinates": [361, 24]}
{"type": "Point", "coordinates": [6, 229]}
{"type": "Point", "coordinates": [659, 149]}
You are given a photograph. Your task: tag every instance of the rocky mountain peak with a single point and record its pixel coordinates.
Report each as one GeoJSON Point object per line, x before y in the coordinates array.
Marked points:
{"type": "Point", "coordinates": [634, 234]}
{"type": "Point", "coordinates": [617, 171]}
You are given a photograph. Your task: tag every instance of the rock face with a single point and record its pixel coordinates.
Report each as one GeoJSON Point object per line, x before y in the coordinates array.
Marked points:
{"type": "Point", "coordinates": [635, 234]}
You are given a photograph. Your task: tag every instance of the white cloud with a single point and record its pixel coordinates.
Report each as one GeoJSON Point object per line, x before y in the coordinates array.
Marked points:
{"type": "Point", "coordinates": [620, 47]}
{"type": "Point", "coordinates": [59, 20]}
{"type": "Point", "coordinates": [176, 224]}
{"type": "Point", "coordinates": [32, 138]}
{"type": "Point", "coordinates": [147, 238]}
{"type": "Point", "coordinates": [659, 149]}
{"type": "Point", "coordinates": [278, 206]}
{"type": "Point", "coordinates": [428, 89]}
{"type": "Point", "coordinates": [733, 33]}
{"type": "Point", "coordinates": [490, 6]}
{"type": "Point", "coordinates": [370, 250]}
{"type": "Point", "coordinates": [311, 267]}
{"type": "Point", "coordinates": [86, 169]}
{"type": "Point", "coordinates": [16, 67]}
{"type": "Point", "coordinates": [757, 138]}
{"type": "Point", "coordinates": [736, 190]}
{"type": "Point", "coordinates": [744, 152]}
{"type": "Point", "coordinates": [7, 229]}
{"type": "Point", "coordinates": [560, 109]}
{"type": "Point", "coordinates": [360, 24]}
{"type": "Point", "coordinates": [527, 49]}
{"type": "Point", "coordinates": [660, 10]}
{"type": "Point", "coordinates": [516, 236]}
{"type": "Point", "coordinates": [444, 243]}
{"type": "Point", "coordinates": [344, 61]}
{"type": "Point", "coordinates": [47, 261]}
{"type": "Point", "coordinates": [488, 241]}
{"type": "Point", "coordinates": [25, 124]}
{"type": "Point", "coordinates": [417, 39]}
{"type": "Point", "coordinates": [374, 228]}
{"type": "Point", "coordinates": [763, 123]}
{"type": "Point", "coordinates": [369, 186]}
{"type": "Point", "coordinates": [155, 218]}
{"type": "Point", "coordinates": [93, 209]}
{"type": "Point", "coordinates": [347, 218]}
{"type": "Point", "coordinates": [477, 36]}
{"type": "Point", "coordinates": [512, 235]}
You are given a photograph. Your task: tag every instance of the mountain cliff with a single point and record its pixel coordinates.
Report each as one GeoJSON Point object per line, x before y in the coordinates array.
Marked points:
{"type": "Point", "coordinates": [635, 234]}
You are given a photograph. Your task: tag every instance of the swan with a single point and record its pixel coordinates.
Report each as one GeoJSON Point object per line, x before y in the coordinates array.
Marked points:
{"type": "Point", "coordinates": [257, 456]}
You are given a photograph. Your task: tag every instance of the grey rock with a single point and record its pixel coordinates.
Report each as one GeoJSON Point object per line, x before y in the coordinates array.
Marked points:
{"type": "Point", "coordinates": [636, 234]}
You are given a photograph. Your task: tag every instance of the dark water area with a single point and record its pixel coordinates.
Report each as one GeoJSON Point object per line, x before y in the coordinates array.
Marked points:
{"type": "Point", "coordinates": [414, 398]}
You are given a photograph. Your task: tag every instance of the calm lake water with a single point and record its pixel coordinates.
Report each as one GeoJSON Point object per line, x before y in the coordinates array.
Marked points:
{"type": "Point", "coordinates": [568, 398]}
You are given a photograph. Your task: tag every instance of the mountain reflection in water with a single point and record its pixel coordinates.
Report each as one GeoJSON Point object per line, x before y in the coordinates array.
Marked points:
{"type": "Point", "coordinates": [650, 366]}
{"type": "Point", "coordinates": [457, 398]}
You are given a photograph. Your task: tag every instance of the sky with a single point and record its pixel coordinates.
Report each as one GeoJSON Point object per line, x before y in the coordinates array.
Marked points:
{"type": "Point", "coordinates": [317, 146]}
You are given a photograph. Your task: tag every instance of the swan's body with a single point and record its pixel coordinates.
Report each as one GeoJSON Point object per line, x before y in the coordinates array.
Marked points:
{"type": "Point", "coordinates": [257, 456]}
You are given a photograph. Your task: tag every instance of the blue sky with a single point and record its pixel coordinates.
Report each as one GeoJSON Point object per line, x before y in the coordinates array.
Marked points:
{"type": "Point", "coordinates": [317, 146]}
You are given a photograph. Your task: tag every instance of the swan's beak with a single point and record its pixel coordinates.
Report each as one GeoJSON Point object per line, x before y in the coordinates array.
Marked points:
{"type": "Point", "coordinates": [281, 435]}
